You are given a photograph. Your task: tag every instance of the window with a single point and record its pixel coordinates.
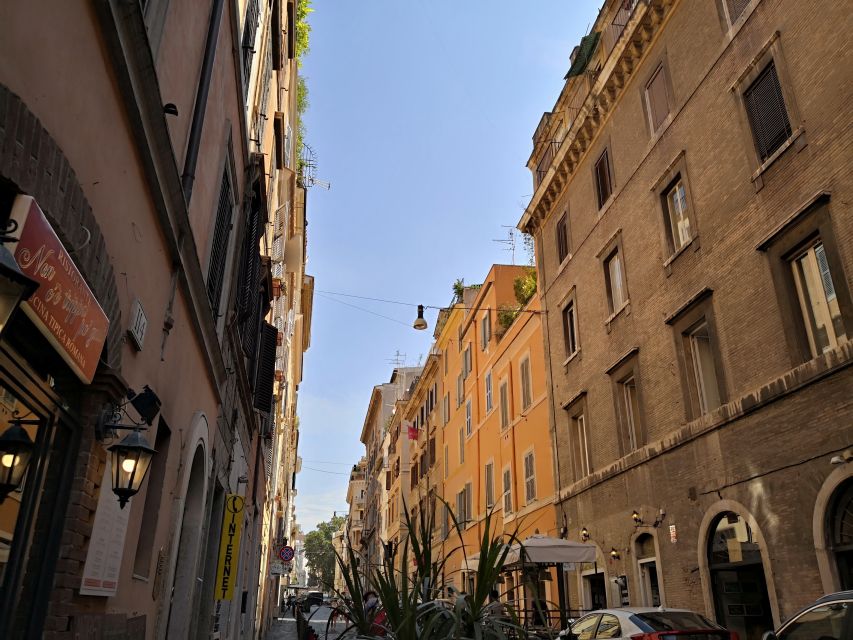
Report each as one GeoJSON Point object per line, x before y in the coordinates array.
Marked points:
{"type": "Point", "coordinates": [767, 114]}
{"type": "Point", "coordinates": [562, 232]}
{"type": "Point", "coordinates": [630, 411]}
{"type": "Point", "coordinates": [526, 389]}
{"type": "Point", "coordinates": [657, 100]}
{"type": "Point", "coordinates": [702, 372]}
{"type": "Point", "coordinates": [678, 214]}
{"type": "Point", "coordinates": [580, 446]}
{"type": "Point", "coordinates": [819, 305]}
{"type": "Point", "coordinates": [529, 478]}
{"type": "Point", "coordinates": [468, 425]}
{"type": "Point", "coordinates": [445, 523]}
{"type": "Point", "coordinates": [570, 328]}
{"type": "Point", "coordinates": [617, 294]}
{"type": "Point", "coordinates": [603, 185]}
{"type": "Point", "coordinates": [219, 246]}
{"type": "Point", "coordinates": [461, 446]}
{"type": "Point", "coordinates": [461, 517]}
{"type": "Point", "coordinates": [490, 485]}
{"type": "Point", "coordinates": [485, 330]}
{"type": "Point", "coordinates": [507, 491]}
{"type": "Point", "coordinates": [504, 393]}
{"type": "Point", "coordinates": [446, 408]}
{"type": "Point", "coordinates": [459, 390]}
{"type": "Point", "coordinates": [489, 402]}
{"type": "Point", "coordinates": [446, 462]}
{"type": "Point", "coordinates": [469, 500]}
{"type": "Point", "coordinates": [734, 9]}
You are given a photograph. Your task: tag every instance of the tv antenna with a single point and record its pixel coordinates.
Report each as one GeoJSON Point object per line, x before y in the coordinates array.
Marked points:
{"type": "Point", "coordinates": [509, 241]}
{"type": "Point", "coordinates": [398, 359]}
{"type": "Point", "coordinates": [308, 169]}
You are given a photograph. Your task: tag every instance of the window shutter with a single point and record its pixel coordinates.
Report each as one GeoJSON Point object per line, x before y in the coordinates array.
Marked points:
{"type": "Point", "coordinates": [250, 27]}
{"type": "Point", "coordinates": [266, 368]}
{"type": "Point", "coordinates": [825, 275]}
{"type": "Point", "coordinates": [219, 250]}
{"type": "Point", "coordinates": [431, 451]}
{"type": "Point", "coordinates": [602, 178]}
{"type": "Point", "coordinates": [768, 117]}
{"type": "Point", "coordinates": [387, 481]}
{"type": "Point", "coordinates": [658, 104]}
{"type": "Point", "coordinates": [278, 128]}
{"type": "Point", "coordinates": [291, 30]}
{"type": "Point", "coordinates": [562, 238]}
{"type": "Point", "coordinates": [276, 34]}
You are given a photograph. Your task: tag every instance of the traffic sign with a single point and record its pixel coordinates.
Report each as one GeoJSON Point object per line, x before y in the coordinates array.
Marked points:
{"type": "Point", "coordinates": [286, 553]}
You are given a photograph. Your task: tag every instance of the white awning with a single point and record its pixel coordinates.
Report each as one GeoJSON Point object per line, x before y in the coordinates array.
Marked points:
{"type": "Point", "coordinates": [541, 549]}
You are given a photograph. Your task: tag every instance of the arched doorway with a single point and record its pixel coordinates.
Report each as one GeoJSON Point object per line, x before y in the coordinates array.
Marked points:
{"type": "Point", "coordinates": [840, 533]}
{"type": "Point", "coordinates": [182, 597]}
{"type": "Point", "coordinates": [647, 570]}
{"type": "Point", "coordinates": [738, 583]}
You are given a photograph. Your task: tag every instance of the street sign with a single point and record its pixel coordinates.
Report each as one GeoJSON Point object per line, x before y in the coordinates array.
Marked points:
{"type": "Point", "coordinates": [286, 553]}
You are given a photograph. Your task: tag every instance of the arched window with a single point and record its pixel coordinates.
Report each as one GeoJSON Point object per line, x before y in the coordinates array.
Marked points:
{"type": "Point", "coordinates": [647, 570]}
{"type": "Point", "coordinates": [739, 585]}
{"type": "Point", "coordinates": [840, 533]}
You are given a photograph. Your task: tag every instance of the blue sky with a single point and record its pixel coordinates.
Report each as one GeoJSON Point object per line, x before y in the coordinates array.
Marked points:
{"type": "Point", "coordinates": [421, 116]}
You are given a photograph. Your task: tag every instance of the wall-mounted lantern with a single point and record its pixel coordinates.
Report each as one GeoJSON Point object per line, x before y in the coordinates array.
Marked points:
{"type": "Point", "coordinates": [16, 449]}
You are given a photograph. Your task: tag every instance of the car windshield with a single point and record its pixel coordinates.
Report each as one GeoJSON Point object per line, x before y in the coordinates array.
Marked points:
{"type": "Point", "coordinates": [672, 621]}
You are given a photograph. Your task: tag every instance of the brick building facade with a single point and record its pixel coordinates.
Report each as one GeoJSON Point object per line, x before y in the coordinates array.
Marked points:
{"type": "Point", "coordinates": [695, 249]}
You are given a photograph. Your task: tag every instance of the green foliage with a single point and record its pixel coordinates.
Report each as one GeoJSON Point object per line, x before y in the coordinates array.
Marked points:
{"type": "Point", "coordinates": [525, 286]}
{"type": "Point", "coordinates": [529, 248]}
{"type": "Point", "coordinates": [303, 28]}
{"type": "Point", "coordinates": [458, 290]}
{"type": "Point", "coordinates": [412, 601]}
{"type": "Point", "coordinates": [320, 553]}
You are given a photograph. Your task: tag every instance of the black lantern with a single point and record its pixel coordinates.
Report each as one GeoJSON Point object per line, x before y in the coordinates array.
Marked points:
{"type": "Point", "coordinates": [16, 449]}
{"type": "Point", "coordinates": [15, 286]}
{"type": "Point", "coordinates": [130, 460]}
{"type": "Point", "coordinates": [420, 324]}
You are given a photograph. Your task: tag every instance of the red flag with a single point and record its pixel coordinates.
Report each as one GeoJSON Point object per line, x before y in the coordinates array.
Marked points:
{"type": "Point", "coordinates": [413, 431]}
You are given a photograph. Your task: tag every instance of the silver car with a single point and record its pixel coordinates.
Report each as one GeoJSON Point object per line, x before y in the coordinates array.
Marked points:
{"type": "Point", "coordinates": [644, 623]}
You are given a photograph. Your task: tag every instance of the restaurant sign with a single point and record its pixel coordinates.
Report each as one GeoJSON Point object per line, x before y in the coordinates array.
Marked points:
{"type": "Point", "coordinates": [63, 307]}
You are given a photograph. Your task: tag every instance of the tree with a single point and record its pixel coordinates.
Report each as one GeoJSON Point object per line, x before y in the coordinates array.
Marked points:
{"type": "Point", "coordinates": [320, 553]}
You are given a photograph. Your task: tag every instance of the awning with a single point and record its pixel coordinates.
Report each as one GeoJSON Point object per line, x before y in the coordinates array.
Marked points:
{"type": "Point", "coordinates": [539, 549]}
{"type": "Point", "coordinates": [583, 55]}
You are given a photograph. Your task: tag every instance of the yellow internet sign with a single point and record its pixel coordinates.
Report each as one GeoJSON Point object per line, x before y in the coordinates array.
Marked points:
{"type": "Point", "coordinates": [229, 546]}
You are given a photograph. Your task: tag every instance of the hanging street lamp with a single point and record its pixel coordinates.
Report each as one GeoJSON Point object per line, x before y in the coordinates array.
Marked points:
{"type": "Point", "coordinates": [129, 460]}
{"type": "Point", "coordinates": [420, 324]}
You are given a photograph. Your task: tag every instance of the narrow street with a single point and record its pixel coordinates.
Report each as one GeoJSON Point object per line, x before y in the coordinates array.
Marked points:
{"type": "Point", "coordinates": [285, 628]}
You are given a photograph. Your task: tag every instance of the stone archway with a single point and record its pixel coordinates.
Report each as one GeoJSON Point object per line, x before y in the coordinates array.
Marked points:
{"type": "Point", "coordinates": [32, 160]}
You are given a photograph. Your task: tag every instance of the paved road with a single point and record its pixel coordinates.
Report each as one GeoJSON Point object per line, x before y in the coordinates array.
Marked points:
{"type": "Point", "coordinates": [285, 628]}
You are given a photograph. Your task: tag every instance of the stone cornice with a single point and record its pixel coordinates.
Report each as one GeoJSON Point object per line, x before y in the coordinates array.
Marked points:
{"type": "Point", "coordinates": [617, 71]}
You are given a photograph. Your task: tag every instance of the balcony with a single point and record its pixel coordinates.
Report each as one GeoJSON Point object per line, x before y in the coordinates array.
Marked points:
{"type": "Point", "coordinates": [629, 33]}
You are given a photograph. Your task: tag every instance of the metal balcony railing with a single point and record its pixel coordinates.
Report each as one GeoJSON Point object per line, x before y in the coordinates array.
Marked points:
{"type": "Point", "coordinates": [619, 22]}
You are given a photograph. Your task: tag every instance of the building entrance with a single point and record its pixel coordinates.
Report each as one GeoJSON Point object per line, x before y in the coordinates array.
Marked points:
{"type": "Point", "coordinates": [737, 578]}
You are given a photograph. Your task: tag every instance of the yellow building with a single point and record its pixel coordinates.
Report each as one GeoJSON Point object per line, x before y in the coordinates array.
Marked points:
{"type": "Point", "coordinates": [497, 447]}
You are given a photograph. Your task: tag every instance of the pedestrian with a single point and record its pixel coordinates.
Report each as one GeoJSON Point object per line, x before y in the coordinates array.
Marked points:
{"type": "Point", "coordinates": [375, 613]}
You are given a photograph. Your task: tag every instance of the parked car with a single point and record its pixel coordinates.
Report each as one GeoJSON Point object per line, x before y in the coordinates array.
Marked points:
{"type": "Point", "coordinates": [829, 618]}
{"type": "Point", "coordinates": [645, 623]}
{"type": "Point", "coordinates": [312, 598]}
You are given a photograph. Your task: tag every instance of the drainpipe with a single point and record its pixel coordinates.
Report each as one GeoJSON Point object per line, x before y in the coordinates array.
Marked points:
{"type": "Point", "coordinates": [194, 142]}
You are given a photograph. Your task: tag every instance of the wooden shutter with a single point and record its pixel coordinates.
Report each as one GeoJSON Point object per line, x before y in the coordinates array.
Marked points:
{"type": "Point", "coordinates": [387, 481]}
{"type": "Point", "coordinates": [431, 452]}
{"type": "Point", "coordinates": [278, 129]}
{"type": "Point", "coordinates": [562, 238]}
{"type": "Point", "coordinates": [250, 28]}
{"type": "Point", "coordinates": [657, 98]}
{"type": "Point", "coordinates": [266, 368]}
{"type": "Point", "coordinates": [276, 34]}
{"type": "Point", "coordinates": [219, 250]}
{"type": "Point", "coordinates": [291, 30]}
{"type": "Point", "coordinates": [767, 114]}
{"type": "Point", "coordinates": [602, 178]}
